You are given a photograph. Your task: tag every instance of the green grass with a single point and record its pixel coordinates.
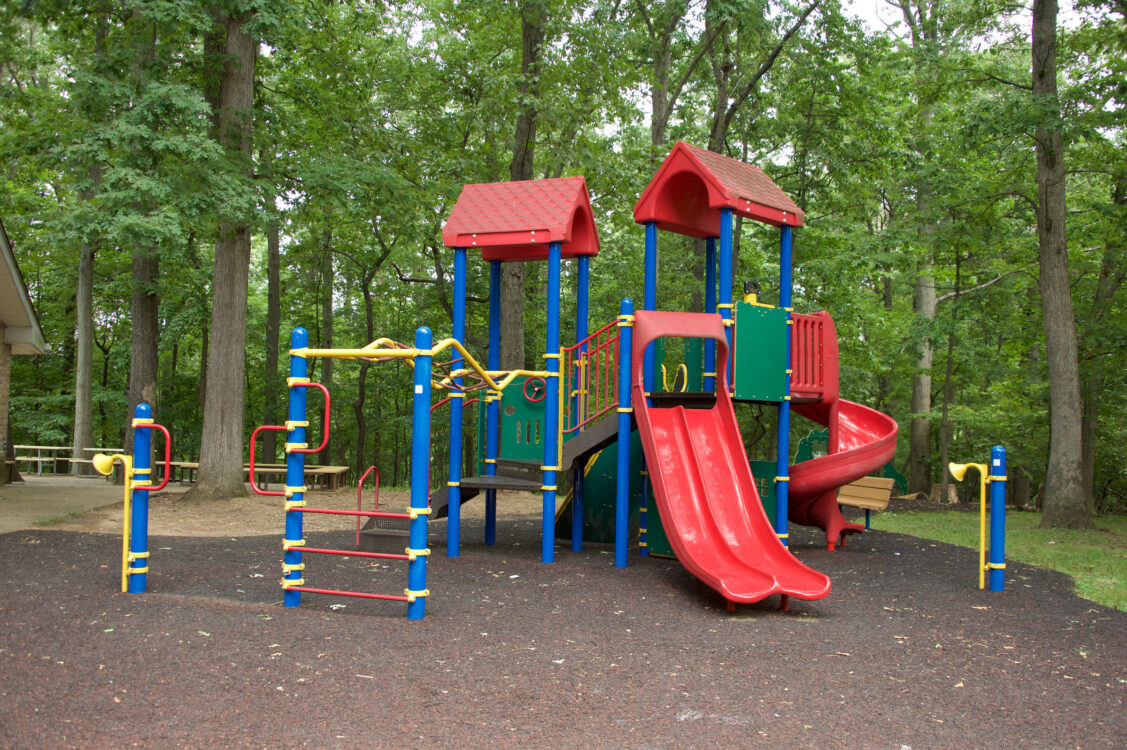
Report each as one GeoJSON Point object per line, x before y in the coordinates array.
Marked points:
{"type": "Point", "coordinates": [1096, 559]}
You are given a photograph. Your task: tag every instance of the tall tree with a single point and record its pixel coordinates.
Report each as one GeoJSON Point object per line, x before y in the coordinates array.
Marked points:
{"type": "Point", "coordinates": [532, 17]}
{"type": "Point", "coordinates": [144, 353]}
{"type": "Point", "coordinates": [221, 444]}
{"type": "Point", "coordinates": [1066, 499]}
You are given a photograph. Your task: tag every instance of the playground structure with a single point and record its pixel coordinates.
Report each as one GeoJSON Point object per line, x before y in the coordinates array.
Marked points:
{"type": "Point", "coordinates": [542, 424]}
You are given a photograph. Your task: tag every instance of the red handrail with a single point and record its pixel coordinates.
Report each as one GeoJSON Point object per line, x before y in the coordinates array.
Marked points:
{"type": "Point", "coordinates": [253, 435]}
{"type": "Point", "coordinates": [324, 421]}
{"type": "Point", "coordinates": [359, 492]}
{"type": "Point", "coordinates": [596, 383]}
{"type": "Point", "coordinates": [167, 458]}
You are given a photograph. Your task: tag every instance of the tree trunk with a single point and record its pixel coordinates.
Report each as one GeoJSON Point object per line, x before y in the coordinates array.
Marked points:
{"type": "Point", "coordinates": [145, 337]}
{"type": "Point", "coordinates": [272, 390]}
{"type": "Point", "coordinates": [144, 341]}
{"type": "Point", "coordinates": [360, 403]}
{"type": "Point", "coordinates": [83, 436]}
{"type": "Point", "coordinates": [1065, 499]}
{"type": "Point", "coordinates": [524, 149]}
{"type": "Point", "coordinates": [325, 458]}
{"type": "Point", "coordinates": [919, 464]}
{"type": "Point", "coordinates": [221, 443]}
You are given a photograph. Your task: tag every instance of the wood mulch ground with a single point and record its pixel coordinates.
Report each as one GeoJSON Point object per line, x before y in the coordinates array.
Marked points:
{"type": "Point", "coordinates": [904, 652]}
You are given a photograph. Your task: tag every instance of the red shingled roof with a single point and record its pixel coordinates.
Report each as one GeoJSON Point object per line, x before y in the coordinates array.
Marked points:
{"type": "Point", "coordinates": [517, 220]}
{"type": "Point", "coordinates": [693, 184]}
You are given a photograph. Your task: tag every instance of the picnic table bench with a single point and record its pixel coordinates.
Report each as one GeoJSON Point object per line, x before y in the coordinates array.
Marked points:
{"type": "Point", "coordinates": [328, 477]}
{"type": "Point", "coordinates": [867, 493]}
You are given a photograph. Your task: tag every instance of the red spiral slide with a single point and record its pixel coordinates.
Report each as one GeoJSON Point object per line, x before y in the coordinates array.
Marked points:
{"type": "Point", "coordinates": [703, 485]}
{"type": "Point", "coordinates": [861, 440]}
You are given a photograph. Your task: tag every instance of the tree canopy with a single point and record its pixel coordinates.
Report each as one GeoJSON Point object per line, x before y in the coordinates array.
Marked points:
{"type": "Point", "coordinates": [132, 173]}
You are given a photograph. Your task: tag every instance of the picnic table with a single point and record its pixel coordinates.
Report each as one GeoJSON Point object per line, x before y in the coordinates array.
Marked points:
{"type": "Point", "coordinates": [326, 477]}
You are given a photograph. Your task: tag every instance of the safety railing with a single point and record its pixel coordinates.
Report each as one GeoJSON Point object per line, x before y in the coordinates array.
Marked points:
{"type": "Point", "coordinates": [591, 378]}
{"type": "Point", "coordinates": [360, 495]}
{"type": "Point", "coordinates": [808, 347]}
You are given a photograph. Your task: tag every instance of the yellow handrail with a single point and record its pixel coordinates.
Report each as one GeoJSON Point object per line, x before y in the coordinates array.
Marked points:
{"type": "Point", "coordinates": [504, 377]}
{"type": "Point", "coordinates": [958, 471]}
{"type": "Point", "coordinates": [104, 465]}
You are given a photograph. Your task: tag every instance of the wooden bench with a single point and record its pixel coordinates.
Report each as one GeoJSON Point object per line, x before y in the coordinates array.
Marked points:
{"type": "Point", "coordinates": [867, 493]}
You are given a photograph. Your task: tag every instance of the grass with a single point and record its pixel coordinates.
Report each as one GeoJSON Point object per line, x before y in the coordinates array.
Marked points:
{"type": "Point", "coordinates": [1096, 559]}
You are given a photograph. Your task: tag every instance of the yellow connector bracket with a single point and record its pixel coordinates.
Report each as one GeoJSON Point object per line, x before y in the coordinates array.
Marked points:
{"type": "Point", "coordinates": [413, 595]}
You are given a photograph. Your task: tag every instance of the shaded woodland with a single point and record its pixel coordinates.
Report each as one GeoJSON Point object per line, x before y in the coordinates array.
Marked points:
{"type": "Point", "coordinates": [186, 182]}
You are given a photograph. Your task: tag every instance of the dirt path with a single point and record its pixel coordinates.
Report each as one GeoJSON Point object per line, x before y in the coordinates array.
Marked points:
{"type": "Point", "coordinates": [94, 506]}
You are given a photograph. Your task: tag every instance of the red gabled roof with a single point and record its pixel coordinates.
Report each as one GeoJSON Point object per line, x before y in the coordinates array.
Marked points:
{"type": "Point", "coordinates": [517, 220]}
{"type": "Point", "coordinates": [694, 184]}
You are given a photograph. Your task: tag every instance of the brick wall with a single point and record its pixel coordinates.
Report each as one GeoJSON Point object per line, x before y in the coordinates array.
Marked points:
{"type": "Point", "coordinates": [5, 384]}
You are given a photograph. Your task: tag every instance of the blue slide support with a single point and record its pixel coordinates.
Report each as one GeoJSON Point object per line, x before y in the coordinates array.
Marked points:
{"type": "Point", "coordinates": [551, 407]}
{"type": "Point", "coordinates": [622, 488]}
{"type": "Point", "coordinates": [492, 407]}
{"type": "Point", "coordinates": [457, 399]}
{"type": "Point", "coordinates": [581, 316]}
{"type": "Point", "coordinates": [782, 479]}
{"type": "Point", "coordinates": [420, 479]}
{"type": "Point", "coordinates": [139, 515]}
{"type": "Point", "coordinates": [997, 563]}
{"type": "Point", "coordinates": [295, 470]}
{"type": "Point", "coordinates": [709, 383]}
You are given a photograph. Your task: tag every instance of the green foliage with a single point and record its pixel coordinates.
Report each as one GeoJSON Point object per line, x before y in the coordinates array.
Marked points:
{"type": "Point", "coordinates": [369, 119]}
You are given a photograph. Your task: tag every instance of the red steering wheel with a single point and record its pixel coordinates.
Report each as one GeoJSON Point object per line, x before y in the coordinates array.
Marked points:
{"type": "Point", "coordinates": [539, 389]}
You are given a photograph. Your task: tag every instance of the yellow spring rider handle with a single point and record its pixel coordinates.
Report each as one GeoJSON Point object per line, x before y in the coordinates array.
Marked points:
{"type": "Point", "coordinates": [958, 471]}
{"type": "Point", "coordinates": [104, 465]}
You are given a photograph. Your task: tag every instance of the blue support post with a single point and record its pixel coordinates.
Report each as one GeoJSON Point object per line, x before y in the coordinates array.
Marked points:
{"type": "Point", "coordinates": [782, 488]}
{"type": "Point", "coordinates": [725, 296]}
{"type": "Point", "coordinates": [581, 316]}
{"type": "Point", "coordinates": [139, 516]}
{"type": "Point", "coordinates": [622, 487]}
{"type": "Point", "coordinates": [295, 472]}
{"type": "Point", "coordinates": [492, 407]}
{"type": "Point", "coordinates": [420, 481]}
{"type": "Point", "coordinates": [649, 301]}
{"type": "Point", "coordinates": [551, 406]}
{"type": "Point", "coordinates": [457, 398]}
{"type": "Point", "coordinates": [710, 307]}
{"type": "Point", "coordinates": [997, 518]}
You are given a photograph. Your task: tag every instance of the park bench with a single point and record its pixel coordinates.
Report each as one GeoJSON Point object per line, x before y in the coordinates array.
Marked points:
{"type": "Point", "coordinates": [868, 494]}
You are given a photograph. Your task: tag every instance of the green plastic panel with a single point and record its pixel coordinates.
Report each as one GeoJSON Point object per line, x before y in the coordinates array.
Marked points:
{"type": "Point", "coordinates": [522, 423]}
{"type": "Point", "coordinates": [759, 368]}
{"type": "Point", "coordinates": [814, 445]}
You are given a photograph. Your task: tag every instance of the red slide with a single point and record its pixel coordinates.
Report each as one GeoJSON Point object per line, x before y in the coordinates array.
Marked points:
{"type": "Point", "coordinates": [703, 485]}
{"type": "Point", "coordinates": [862, 440]}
